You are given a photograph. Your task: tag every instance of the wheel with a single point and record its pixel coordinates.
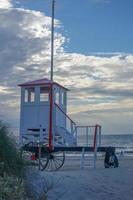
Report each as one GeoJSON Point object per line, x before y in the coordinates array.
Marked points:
{"type": "Point", "coordinates": [44, 159]}
{"type": "Point", "coordinates": [32, 159]}
{"type": "Point", "coordinates": [56, 161]}
{"type": "Point", "coordinates": [29, 159]}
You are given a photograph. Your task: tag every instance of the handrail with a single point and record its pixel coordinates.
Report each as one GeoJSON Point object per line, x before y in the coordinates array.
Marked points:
{"type": "Point", "coordinates": [65, 114]}
{"type": "Point", "coordinates": [95, 136]}
{"type": "Point", "coordinates": [89, 126]}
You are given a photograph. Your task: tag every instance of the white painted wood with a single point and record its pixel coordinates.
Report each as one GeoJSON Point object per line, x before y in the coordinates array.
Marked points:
{"type": "Point", "coordinates": [34, 115]}
{"type": "Point", "coordinates": [82, 159]}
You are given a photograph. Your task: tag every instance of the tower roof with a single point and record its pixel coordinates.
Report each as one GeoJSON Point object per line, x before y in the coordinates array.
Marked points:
{"type": "Point", "coordinates": [41, 82]}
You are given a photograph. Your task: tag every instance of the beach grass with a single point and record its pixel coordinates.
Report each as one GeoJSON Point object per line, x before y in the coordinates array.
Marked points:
{"type": "Point", "coordinates": [11, 167]}
{"type": "Point", "coordinates": [13, 170]}
{"type": "Point", "coordinates": [10, 158]}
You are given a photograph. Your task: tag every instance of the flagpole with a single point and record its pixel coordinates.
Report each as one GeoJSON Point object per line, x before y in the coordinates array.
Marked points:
{"type": "Point", "coordinates": [52, 39]}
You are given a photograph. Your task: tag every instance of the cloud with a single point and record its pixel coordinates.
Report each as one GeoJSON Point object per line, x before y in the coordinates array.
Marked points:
{"type": "Point", "coordinates": [25, 44]}
{"type": "Point", "coordinates": [24, 54]}
{"type": "Point", "coordinates": [4, 4]}
{"type": "Point", "coordinates": [100, 1]}
{"type": "Point", "coordinates": [101, 85]}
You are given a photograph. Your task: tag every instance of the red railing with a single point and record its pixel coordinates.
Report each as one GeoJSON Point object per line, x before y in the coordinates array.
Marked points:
{"type": "Point", "coordinates": [97, 131]}
{"type": "Point", "coordinates": [90, 135]}
{"type": "Point", "coordinates": [96, 134]}
{"type": "Point", "coordinates": [71, 123]}
{"type": "Point", "coordinates": [65, 114]}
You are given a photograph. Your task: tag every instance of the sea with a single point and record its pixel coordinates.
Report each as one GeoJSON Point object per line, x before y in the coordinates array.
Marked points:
{"type": "Point", "coordinates": [122, 142]}
{"type": "Point", "coordinates": [117, 140]}
{"type": "Point", "coordinates": [109, 140]}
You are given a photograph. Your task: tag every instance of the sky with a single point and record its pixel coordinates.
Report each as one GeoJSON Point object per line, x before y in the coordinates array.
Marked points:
{"type": "Point", "coordinates": [93, 57]}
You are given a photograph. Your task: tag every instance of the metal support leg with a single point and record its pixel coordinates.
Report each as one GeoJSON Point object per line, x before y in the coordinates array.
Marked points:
{"type": "Point", "coordinates": [39, 156]}
{"type": "Point", "coordinates": [87, 136]}
{"type": "Point", "coordinates": [82, 159]}
{"type": "Point", "coordinates": [95, 154]}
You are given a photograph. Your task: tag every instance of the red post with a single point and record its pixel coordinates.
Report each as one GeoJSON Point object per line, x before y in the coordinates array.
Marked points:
{"type": "Point", "coordinates": [50, 117]}
{"type": "Point", "coordinates": [95, 137]}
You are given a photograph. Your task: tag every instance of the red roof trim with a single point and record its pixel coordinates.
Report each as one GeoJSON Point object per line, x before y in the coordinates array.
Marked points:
{"type": "Point", "coordinates": [48, 83]}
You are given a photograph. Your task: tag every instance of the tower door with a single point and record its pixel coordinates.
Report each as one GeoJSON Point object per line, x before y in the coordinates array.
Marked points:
{"type": "Point", "coordinates": [43, 107]}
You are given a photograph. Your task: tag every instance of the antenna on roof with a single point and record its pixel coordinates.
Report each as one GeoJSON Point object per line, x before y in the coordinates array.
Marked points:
{"type": "Point", "coordinates": [52, 40]}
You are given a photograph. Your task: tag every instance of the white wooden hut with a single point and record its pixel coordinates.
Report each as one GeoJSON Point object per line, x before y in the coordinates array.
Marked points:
{"type": "Point", "coordinates": [43, 115]}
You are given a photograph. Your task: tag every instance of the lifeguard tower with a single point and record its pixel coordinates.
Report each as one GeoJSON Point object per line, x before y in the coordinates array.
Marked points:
{"type": "Point", "coordinates": [46, 131]}
{"type": "Point", "coordinates": [45, 128]}
{"type": "Point", "coordinates": [43, 115]}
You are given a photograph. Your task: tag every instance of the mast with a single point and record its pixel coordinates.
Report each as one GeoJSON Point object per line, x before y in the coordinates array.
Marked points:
{"type": "Point", "coordinates": [52, 40]}
{"type": "Point", "coordinates": [51, 77]}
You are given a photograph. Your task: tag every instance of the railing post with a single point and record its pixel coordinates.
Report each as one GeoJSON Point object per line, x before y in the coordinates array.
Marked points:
{"type": "Point", "coordinates": [76, 134]}
{"type": "Point", "coordinates": [39, 155]}
{"type": "Point", "coordinates": [53, 137]}
{"type": "Point", "coordinates": [71, 127]}
{"type": "Point", "coordinates": [87, 136]}
{"type": "Point", "coordinates": [39, 147]}
{"type": "Point", "coordinates": [82, 158]}
{"type": "Point", "coordinates": [41, 133]}
{"type": "Point", "coordinates": [99, 136]}
{"type": "Point", "coordinates": [95, 146]}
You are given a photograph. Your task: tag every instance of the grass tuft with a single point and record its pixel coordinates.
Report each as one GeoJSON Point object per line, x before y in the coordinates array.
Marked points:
{"type": "Point", "coordinates": [10, 157]}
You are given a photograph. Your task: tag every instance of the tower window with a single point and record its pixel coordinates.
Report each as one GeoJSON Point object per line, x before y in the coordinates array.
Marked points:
{"type": "Point", "coordinates": [62, 98]}
{"type": "Point", "coordinates": [29, 94]}
{"type": "Point", "coordinates": [57, 98]}
{"type": "Point", "coordinates": [44, 94]}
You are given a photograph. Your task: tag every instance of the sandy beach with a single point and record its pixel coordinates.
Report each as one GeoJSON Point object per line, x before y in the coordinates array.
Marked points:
{"type": "Point", "coordinates": [72, 183]}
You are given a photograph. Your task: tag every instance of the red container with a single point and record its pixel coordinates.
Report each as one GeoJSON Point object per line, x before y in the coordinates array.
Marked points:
{"type": "Point", "coordinates": [33, 157]}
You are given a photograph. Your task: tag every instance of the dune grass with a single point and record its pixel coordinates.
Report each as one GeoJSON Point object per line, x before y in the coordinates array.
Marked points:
{"type": "Point", "coordinates": [11, 168]}
{"type": "Point", "coordinates": [10, 158]}
{"type": "Point", "coordinates": [12, 188]}
{"type": "Point", "coordinates": [13, 183]}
